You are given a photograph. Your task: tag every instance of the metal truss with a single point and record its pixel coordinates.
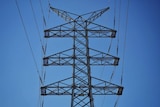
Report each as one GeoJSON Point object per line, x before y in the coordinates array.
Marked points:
{"type": "Point", "coordinates": [81, 86]}
{"type": "Point", "coordinates": [65, 58]}
{"type": "Point", "coordinates": [63, 87]}
{"type": "Point", "coordinates": [75, 17]}
{"type": "Point", "coordinates": [96, 31]}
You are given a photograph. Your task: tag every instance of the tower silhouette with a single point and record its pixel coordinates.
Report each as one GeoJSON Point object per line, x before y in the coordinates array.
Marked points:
{"type": "Point", "coordinates": [81, 85]}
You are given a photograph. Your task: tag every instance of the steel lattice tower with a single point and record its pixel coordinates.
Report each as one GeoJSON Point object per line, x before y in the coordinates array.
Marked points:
{"type": "Point", "coordinates": [81, 57]}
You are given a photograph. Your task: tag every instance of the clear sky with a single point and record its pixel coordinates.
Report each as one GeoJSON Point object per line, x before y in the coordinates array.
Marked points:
{"type": "Point", "coordinates": [18, 76]}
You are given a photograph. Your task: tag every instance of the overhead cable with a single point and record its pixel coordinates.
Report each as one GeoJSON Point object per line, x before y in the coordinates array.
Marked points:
{"type": "Point", "coordinates": [35, 20]}
{"type": "Point", "coordinates": [119, 22]}
{"type": "Point", "coordinates": [125, 36]}
{"type": "Point", "coordinates": [27, 37]}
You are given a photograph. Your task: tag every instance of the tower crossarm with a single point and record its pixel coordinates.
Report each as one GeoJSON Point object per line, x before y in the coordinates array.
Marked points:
{"type": "Point", "coordinates": [99, 31]}
{"type": "Point", "coordinates": [65, 31]}
{"type": "Point", "coordinates": [100, 87]}
{"type": "Point", "coordinates": [101, 58]}
{"type": "Point", "coordinates": [64, 14]}
{"type": "Point", "coordinates": [65, 58]}
{"type": "Point", "coordinates": [95, 15]}
{"type": "Point", "coordinates": [68, 16]}
{"type": "Point", "coordinates": [60, 58]}
{"type": "Point", "coordinates": [61, 87]}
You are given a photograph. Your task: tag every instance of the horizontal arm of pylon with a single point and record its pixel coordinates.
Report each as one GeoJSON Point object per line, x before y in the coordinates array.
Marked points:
{"type": "Point", "coordinates": [68, 16]}
{"type": "Point", "coordinates": [60, 58]}
{"type": "Point", "coordinates": [101, 58]}
{"type": "Point", "coordinates": [64, 14]}
{"type": "Point", "coordinates": [65, 30]}
{"type": "Point", "coordinates": [63, 87]}
{"type": "Point", "coordinates": [66, 58]}
{"type": "Point", "coordinates": [95, 15]}
{"type": "Point", "coordinates": [102, 87]}
{"type": "Point", "coordinates": [96, 30]}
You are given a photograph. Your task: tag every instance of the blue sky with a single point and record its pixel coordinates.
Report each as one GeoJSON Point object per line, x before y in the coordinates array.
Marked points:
{"type": "Point", "coordinates": [18, 76]}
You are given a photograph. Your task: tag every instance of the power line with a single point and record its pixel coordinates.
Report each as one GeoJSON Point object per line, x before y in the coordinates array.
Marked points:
{"type": "Point", "coordinates": [114, 19]}
{"type": "Point", "coordinates": [110, 45]}
{"type": "Point", "coordinates": [116, 103]}
{"type": "Point", "coordinates": [44, 20]}
{"type": "Point", "coordinates": [125, 36]}
{"type": "Point", "coordinates": [27, 37]}
{"type": "Point", "coordinates": [119, 22]}
{"type": "Point", "coordinates": [35, 20]}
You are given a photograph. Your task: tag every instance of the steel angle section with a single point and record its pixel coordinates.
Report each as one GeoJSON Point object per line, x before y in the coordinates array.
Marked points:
{"type": "Point", "coordinates": [101, 58]}
{"type": "Point", "coordinates": [102, 87]}
{"type": "Point", "coordinates": [61, 58]}
{"type": "Point", "coordinates": [96, 30]}
{"type": "Point", "coordinates": [62, 87]}
{"type": "Point", "coordinates": [64, 30]}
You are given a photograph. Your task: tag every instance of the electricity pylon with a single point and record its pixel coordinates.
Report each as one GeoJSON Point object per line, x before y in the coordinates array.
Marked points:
{"type": "Point", "coordinates": [82, 86]}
